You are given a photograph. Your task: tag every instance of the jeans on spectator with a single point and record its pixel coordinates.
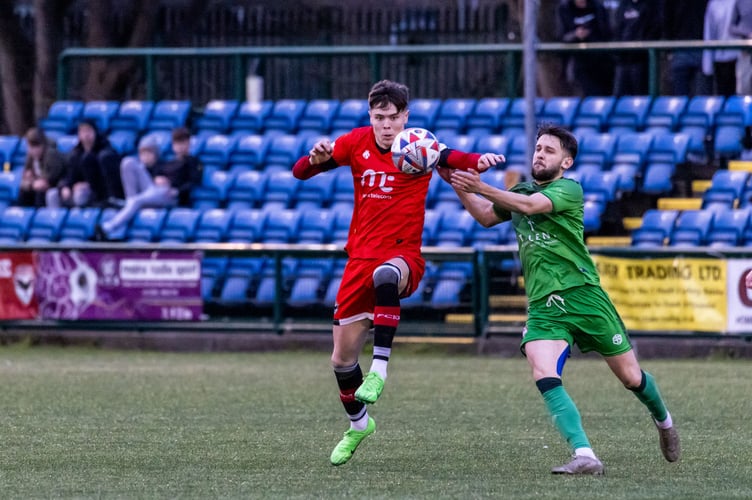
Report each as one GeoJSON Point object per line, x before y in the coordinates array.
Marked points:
{"type": "Point", "coordinates": [686, 72]}
{"type": "Point", "coordinates": [80, 197]}
{"type": "Point", "coordinates": [140, 192]}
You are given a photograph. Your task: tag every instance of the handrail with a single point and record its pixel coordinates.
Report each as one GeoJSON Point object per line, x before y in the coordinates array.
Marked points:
{"type": "Point", "coordinates": [375, 54]}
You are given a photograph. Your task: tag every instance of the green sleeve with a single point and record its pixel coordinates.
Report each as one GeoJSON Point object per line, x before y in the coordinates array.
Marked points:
{"type": "Point", "coordinates": [564, 194]}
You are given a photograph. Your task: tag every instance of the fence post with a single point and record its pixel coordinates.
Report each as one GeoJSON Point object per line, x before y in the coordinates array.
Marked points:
{"type": "Point", "coordinates": [151, 83]}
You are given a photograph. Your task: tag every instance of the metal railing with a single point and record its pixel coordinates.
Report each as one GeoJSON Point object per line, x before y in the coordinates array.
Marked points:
{"type": "Point", "coordinates": [375, 55]}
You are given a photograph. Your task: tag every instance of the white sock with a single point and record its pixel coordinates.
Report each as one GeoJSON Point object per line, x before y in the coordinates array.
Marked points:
{"type": "Point", "coordinates": [585, 452]}
{"type": "Point", "coordinates": [379, 365]}
{"type": "Point", "coordinates": [666, 424]}
{"type": "Point", "coordinates": [361, 423]}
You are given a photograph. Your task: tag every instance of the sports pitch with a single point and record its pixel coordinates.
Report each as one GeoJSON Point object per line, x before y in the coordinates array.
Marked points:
{"type": "Point", "coordinates": [85, 423]}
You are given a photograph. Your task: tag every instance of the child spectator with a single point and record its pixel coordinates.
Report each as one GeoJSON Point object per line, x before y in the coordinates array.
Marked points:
{"type": "Point", "coordinates": [43, 169]}
{"type": "Point", "coordinates": [151, 183]}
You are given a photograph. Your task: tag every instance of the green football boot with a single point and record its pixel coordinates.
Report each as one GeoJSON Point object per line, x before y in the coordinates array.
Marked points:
{"type": "Point", "coordinates": [370, 390]}
{"type": "Point", "coordinates": [349, 443]}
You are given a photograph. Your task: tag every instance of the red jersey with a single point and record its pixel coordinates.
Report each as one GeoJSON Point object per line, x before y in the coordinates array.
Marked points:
{"type": "Point", "coordinates": [389, 204]}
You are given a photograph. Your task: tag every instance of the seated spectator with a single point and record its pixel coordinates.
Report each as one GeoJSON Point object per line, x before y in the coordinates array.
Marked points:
{"type": "Point", "coordinates": [150, 183]}
{"type": "Point", "coordinates": [91, 176]}
{"type": "Point", "coordinates": [43, 169]}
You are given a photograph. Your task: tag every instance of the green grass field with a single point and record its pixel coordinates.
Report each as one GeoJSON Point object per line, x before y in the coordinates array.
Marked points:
{"type": "Point", "coordinates": [101, 424]}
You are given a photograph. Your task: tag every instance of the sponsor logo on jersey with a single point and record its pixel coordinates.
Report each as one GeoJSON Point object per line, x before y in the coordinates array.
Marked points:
{"type": "Point", "coordinates": [617, 339]}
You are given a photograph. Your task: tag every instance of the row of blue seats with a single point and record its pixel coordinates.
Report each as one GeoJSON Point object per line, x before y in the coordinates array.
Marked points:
{"type": "Point", "coordinates": [449, 227]}
{"type": "Point", "coordinates": [314, 282]}
{"type": "Point", "coordinates": [493, 114]}
{"type": "Point", "coordinates": [716, 227]}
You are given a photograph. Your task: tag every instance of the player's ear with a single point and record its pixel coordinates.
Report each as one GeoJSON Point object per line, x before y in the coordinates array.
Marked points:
{"type": "Point", "coordinates": [567, 162]}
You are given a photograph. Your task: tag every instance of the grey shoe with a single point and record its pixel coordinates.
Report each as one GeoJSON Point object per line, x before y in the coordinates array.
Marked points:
{"type": "Point", "coordinates": [670, 446]}
{"type": "Point", "coordinates": [580, 465]}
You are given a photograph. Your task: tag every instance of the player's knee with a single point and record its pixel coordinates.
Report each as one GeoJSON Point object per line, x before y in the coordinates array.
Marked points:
{"type": "Point", "coordinates": [547, 383]}
{"type": "Point", "coordinates": [386, 274]}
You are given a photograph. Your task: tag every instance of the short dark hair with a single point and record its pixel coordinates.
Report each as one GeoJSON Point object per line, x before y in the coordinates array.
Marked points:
{"type": "Point", "coordinates": [181, 134]}
{"type": "Point", "coordinates": [387, 92]}
{"type": "Point", "coordinates": [35, 137]}
{"type": "Point", "coordinates": [567, 138]}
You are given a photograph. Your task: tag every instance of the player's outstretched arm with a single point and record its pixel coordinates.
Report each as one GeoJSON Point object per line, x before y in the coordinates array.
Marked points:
{"type": "Point", "coordinates": [480, 208]}
{"type": "Point", "coordinates": [470, 182]}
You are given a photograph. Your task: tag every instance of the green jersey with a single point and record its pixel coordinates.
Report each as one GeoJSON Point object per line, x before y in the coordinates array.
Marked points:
{"type": "Point", "coordinates": [552, 246]}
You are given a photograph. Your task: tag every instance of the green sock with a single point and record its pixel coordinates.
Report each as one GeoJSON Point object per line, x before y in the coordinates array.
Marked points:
{"type": "Point", "coordinates": [566, 417]}
{"type": "Point", "coordinates": [650, 396]}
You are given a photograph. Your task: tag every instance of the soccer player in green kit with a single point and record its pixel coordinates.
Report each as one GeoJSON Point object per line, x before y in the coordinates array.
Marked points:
{"type": "Point", "coordinates": [566, 302]}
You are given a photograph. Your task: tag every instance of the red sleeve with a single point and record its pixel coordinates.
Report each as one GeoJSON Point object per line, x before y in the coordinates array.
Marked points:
{"type": "Point", "coordinates": [458, 159]}
{"type": "Point", "coordinates": [304, 170]}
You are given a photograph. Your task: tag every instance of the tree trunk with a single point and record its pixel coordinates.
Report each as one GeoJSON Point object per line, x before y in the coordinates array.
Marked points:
{"type": "Point", "coordinates": [16, 70]}
{"type": "Point", "coordinates": [48, 40]}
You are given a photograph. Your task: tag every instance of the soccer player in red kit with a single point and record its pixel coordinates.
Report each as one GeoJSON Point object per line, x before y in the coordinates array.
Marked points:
{"type": "Point", "coordinates": [383, 248]}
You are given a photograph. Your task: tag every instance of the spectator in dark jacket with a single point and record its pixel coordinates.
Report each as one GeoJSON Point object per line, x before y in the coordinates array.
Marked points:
{"type": "Point", "coordinates": [44, 167]}
{"type": "Point", "coordinates": [684, 20]}
{"type": "Point", "coordinates": [91, 176]}
{"type": "Point", "coordinates": [583, 21]}
{"type": "Point", "coordinates": [636, 21]}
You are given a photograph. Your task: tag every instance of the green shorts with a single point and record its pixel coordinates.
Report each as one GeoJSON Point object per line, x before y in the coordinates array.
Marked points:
{"type": "Point", "coordinates": [583, 315]}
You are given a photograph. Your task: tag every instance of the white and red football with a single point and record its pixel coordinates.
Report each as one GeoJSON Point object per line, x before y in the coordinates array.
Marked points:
{"type": "Point", "coordinates": [415, 151]}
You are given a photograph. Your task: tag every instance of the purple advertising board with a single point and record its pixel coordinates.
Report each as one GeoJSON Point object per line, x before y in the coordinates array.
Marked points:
{"type": "Point", "coordinates": [95, 285]}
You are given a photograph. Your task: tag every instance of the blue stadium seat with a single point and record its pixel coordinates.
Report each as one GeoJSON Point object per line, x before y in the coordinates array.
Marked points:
{"type": "Point", "coordinates": [560, 111]}
{"type": "Point", "coordinates": [698, 120]}
{"type": "Point", "coordinates": [8, 146]}
{"type": "Point", "coordinates": [658, 178]}
{"type": "Point", "coordinates": [691, 228]}
{"type": "Point", "coordinates": [632, 147]}
{"type": "Point", "coordinates": [423, 113]}
{"type": "Point", "coordinates": [14, 224]}
{"type": "Point", "coordinates": [65, 143]}
{"type": "Point", "coordinates": [316, 226]}
{"type": "Point", "coordinates": [123, 141]}
{"type": "Point", "coordinates": [655, 229]}
{"type": "Point", "coordinates": [728, 227]}
{"type": "Point", "coordinates": [285, 115]}
{"type": "Point", "coordinates": [240, 276]}
{"type": "Point", "coordinates": [594, 112]}
{"type": "Point", "coordinates": [102, 113]}
{"type": "Point", "coordinates": [629, 113]}
{"type": "Point", "coordinates": [487, 114]}
{"type": "Point", "coordinates": [593, 214]}
{"type": "Point", "coordinates": [451, 279]}
{"type": "Point", "coordinates": [419, 297]}
{"type": "Point", "coordinates": [518, 153]}
{"type": "Point", "coordinates": [250, 117]}
{"type": "Point", "coordinates": [628, 175]}
{"type": "Point", "coordinates": [669, 148]}
{"type": "Point", "coordinates": [726, 186]}
{"type": "Point", "coordinates": [46, 224]}
{"type": "Point", "coordinates": [281, 190]}
{"type": "Point", "coordinates": [247, 226]}
{"type": "Point", "coordinates": [282, 226]}
{"type": "Point", "coordinates": [217, 150]}
{"type": "Point", "coordinates": [493, 143]}
{"type": "Point", "coordinates": [485, 236]}
{"type": "Point", "coordinates": [730, 123]}
{"type": "Point", "coordinates": [80, 224]}
{"type": "Point", "coordinates": [249, 152]}
{"type": "Point", "coordinates": [108, 214]}
{"type": "Point", "coordinates": [514, 119]}
{"type": "Point", "coordinates": [217, 115]}
{"type": "Point", "coordinates": [213, 225]}
{"type": "Point", "coordinates": [284, 150]}
{"type": "Point", "coordinates": [132, 116]}
{"type": "Point", "coordinates": [601, 188]}
{"type": "Point", "coordinates": [341, 227]}
{"type": "Point", "coordinates": [146, 225]}
{"type": "Point", "coordinates": [10, 183]}
{"type": "Point", "coordinates": [248, 190]}
{"type": "Point", "coordinates": [665, 112]}
{"type": "Point", "coordinates": [455, 230]}
{"type": "Point", "coordinates": [727, 141]}
{"type": "Point", "coordinates": [316, 192]}
{"type": "Point", "coordinates": [334, 282]}
{"type": "Point", "coordinates": [180, 225]}
{"type": "Point", "coordinates": [352, 113]}
{"type": "Point", "coordinates": [266, 290]}
{"type": "Point", "coordinates": [453, 114]}
{"type": "Point", "coordinates": [431, 225]}
{"type": "Point", "coordinates": [212, 269]}
{"type": "Point", "coordinates": [462, 142]}
{"type": "Point", "coordinates": [344, 187]}
{"type": "Point", "coordinates": [169, 114]}
{"type": "Point", "coordinates": [597, 148]}
{"type": "Point", "coordinates": [213, 191]}
{"type": "Point", "coordinates": [318, 115]}
{"type": "Point", "coordinates": [62, 117]}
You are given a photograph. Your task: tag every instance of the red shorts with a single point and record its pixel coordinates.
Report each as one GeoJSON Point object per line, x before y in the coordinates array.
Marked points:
{"type": "Point", "coordinates": [356, 296]}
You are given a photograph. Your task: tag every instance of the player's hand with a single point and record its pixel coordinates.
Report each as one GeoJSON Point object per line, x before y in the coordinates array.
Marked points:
{"type": "Point", "coordinates": [748, 280]}
{"type": "Point", "coordinates": [320, 152]}
{"type": "Point", "coordinates": [466, 180]}
{"type": "Point", "coordinates": [445, 173]}
{"type": "Point", "coordinates": [488, 160]}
